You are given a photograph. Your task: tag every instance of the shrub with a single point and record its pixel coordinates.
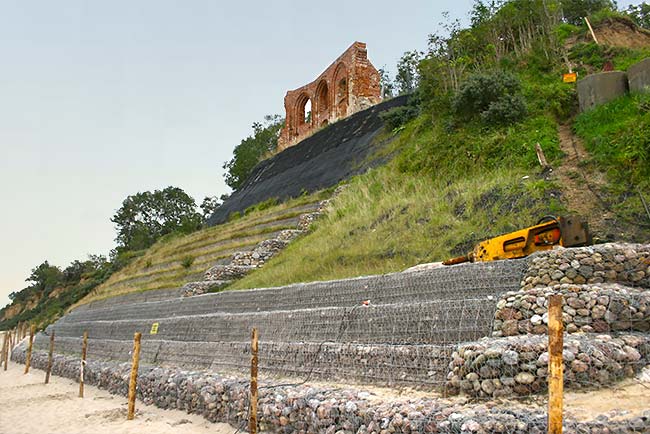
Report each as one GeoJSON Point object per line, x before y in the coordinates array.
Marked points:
{"type": "Point", "coordinates": [187, 262]}
{"type": "Point", "coordinates": [399, 116]}
{"type": "Point", "coordinates": [494, 96]}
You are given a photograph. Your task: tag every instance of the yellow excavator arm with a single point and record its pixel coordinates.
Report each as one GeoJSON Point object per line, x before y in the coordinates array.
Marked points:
{"type": "Point", "coordinates": [550, 231]}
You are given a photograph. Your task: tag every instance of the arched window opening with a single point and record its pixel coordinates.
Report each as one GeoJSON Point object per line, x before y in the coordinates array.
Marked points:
{"type": "Point", "coordinates": [342, 97]}
{"type": "Point", "coordinates": [303, 111]}
{"type": "Point", "coordinates": [307, 112]}
{"type": "Point", "coordinates": [322, 99]}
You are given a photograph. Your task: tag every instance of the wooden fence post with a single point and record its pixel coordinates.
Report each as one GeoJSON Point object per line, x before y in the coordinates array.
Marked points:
{"type": "Point", "coordinates": [7, 350]}
{"type": "Point", "coordinates": [133, 381]}
{"type": "Point", "coordinates": [252, 423]}
{"type": "Point", "coordinates": [28, 360]}
{"type": "Point", "coordinates": [5, 344]}
{"type": "Point", "coordinates": [49, 358]}
{"type": "Point", "coordinates": [82, 367]}
{"type": "Point", "coordinates": [555, 366]}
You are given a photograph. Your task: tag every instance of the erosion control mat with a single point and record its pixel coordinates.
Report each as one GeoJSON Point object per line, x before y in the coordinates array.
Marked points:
{"type": "Point", "coordinates": [330, 156]}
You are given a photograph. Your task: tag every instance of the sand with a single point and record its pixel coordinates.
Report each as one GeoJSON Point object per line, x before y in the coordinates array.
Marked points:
{"type": "Point", "coordinates": [27, 406]}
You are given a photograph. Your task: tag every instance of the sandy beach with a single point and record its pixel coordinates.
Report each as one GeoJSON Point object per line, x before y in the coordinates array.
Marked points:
{"type": "Point", "coordinates": [27, 406]}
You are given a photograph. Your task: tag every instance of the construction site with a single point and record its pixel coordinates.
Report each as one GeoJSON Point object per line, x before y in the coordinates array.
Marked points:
{"type": "Point", "coordinates": [543, 327]}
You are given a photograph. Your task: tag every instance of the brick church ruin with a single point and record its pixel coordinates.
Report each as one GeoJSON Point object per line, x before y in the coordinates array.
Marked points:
{"type": "Point", "coordinates": [348, 85]}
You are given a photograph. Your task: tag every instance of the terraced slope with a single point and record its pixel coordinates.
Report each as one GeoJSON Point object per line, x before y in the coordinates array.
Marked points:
{"type": "Point", "coordinates": [403, 334]}
{"type": "Point", "coordinates": [174, 261]}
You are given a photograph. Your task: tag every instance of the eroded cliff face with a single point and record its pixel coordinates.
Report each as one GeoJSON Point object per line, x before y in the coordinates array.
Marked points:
{"type": "Point", "coordinates": [322, 160]}
{"type": "Point", "coordinates": [615, 33]}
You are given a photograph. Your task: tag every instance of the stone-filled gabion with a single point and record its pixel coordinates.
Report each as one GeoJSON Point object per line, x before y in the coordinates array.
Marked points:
{"type": "Point", "coordinates": [228, 272]}
{"type": "Point", "coordinates": [201, 287]}
{"type": "Point", "coordinates": [518, 365]}
{"type": "Point", "coordinates": [588, 308]}
{"type": "Point", "coordinates": [308, 409]}
{"type": "Point", "coordinates": [627, 264]}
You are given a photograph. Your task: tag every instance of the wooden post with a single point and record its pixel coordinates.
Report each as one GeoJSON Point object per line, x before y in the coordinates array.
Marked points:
{"type": "Point", "coordinates": [82, 367]}
{"type": "Point", "coordinates": [555, 367]}
{"type": "Point", "coordinates": [28, 361]}
{"type": "Point", "coordinates": [540, 156]}
{"type": "Point", "coordinates": [7, 350]}
{"type": "Point", "coordinates": [252, 423]}
{"type": "Point", "coordinates": [593, 35]}
{"type": "Point", "coordinates": [133, 381]}
{"type": "Point", "coordinates": [49, 358]}
{"type": "Point", "coordinates": [5, 343]}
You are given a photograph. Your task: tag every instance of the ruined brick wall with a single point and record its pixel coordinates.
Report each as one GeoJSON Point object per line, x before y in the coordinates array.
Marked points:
{"type": "Point", "coordinates": [348, 85]}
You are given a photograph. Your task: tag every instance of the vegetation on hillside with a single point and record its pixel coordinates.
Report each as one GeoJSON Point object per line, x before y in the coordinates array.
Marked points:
{"type": "Point", "coordinates": [253, 149]}
{"type": "Point", "coordinates": [147, 216]}
{"type": "Point", "coordinates": [465, 166]}
{"type": "Point", "coordinates": [52, 290]}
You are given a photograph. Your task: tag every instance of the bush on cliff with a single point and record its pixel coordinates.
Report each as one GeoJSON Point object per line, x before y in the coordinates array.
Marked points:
{"type": "Point", "coordinates": [252, 150]}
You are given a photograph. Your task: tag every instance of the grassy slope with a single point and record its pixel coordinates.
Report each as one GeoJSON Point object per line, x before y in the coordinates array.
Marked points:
{"type": "Point", "coordinates": [173, 261]}
{"type": "Point", "coordinates": [617, 135]}
{"type": "Point", "coordinates": [386, 221]}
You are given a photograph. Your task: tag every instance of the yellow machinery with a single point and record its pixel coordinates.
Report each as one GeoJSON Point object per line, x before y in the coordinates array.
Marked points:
{"type": "Point", "coordinates": [550, 231]}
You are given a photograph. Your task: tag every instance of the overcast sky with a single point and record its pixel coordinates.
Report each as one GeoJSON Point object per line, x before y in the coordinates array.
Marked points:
{"type": "Point", "coordinates": [99, 100]}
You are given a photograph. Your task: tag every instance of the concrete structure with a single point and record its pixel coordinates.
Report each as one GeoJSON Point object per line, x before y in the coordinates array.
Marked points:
{"type": "Point", "coordinates": [350, 84]}
{"type": "Point", "coordinates": [597, 89]}
{"type": "Point", "coordinates": [639, 76]}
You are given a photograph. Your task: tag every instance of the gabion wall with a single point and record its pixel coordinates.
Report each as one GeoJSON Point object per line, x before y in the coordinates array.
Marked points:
{"type": "Point", "coordinates": [518, 365]}
{"type": "Point", "coordinates": [308, 409]}
{"type": "Point", "coordinates": [402, 329]}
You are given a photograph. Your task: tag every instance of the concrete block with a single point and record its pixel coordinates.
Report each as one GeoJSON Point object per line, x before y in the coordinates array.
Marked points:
{"type": "Point", "coordinates": [639, 76]}
{"type": "Point", "coordinates": [598, 89]}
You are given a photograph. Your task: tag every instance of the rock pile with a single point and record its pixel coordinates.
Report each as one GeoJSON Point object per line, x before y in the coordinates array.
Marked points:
{"type": "Point", "coordinates": [518, 365]}
{"type": "Point", "coordinates": [627, 264]}
{"type": "Point", "coordinates": [303, 408]}
{"type": "Point", "coordinates": [596, 308]}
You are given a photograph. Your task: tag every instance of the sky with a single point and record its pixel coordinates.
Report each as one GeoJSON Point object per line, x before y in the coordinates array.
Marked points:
{"type": "Point", "coordinates": [100, 100]}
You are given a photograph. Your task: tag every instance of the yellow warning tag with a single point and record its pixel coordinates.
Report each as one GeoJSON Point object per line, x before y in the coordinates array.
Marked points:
{"type": "Point", "coordinates": [571, 77]}
{"type": "Point", "coordinates": [154, 329]}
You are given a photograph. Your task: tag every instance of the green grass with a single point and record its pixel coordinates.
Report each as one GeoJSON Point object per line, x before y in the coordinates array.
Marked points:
{"type": "Point", "coordinates": [618, 137]}
{"type": "Point", "coordinates": [387, 221]}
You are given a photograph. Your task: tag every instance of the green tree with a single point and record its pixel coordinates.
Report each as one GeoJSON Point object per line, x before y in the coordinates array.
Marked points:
{"type": "Point", "coordinates": [45, 275]}
{"type": "Point", "coordinates": [209, 204]}
{"type": "Point", "coordinates": [252, 150]}
{"type": "Point", "coordinates": [407, 77]}
{"type": "Point", "coordinates": [575, 10]}
{"type": "Point", "coordinates": [147, 216]}
{"type": "Point", "coordinates": [387, 85]}
{"type": "Point", "coordinates": [640, 14]}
